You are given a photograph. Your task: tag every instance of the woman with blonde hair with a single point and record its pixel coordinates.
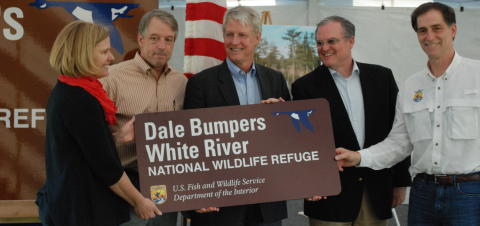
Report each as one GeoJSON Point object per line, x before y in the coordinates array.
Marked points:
{"type": "Point", "coordinates": [86, 183]}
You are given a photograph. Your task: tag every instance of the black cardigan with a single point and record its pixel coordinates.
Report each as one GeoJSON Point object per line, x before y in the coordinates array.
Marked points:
{"type": "Point", "coordinates": [81, 162]}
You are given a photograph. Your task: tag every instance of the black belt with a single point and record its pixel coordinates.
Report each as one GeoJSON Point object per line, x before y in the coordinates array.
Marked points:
{"type": "Point", "coordinates": [448, 179]}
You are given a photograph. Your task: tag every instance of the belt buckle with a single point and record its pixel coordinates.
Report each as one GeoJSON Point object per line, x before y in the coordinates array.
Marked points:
{"type": "Point", "coordinates": [438, 175]}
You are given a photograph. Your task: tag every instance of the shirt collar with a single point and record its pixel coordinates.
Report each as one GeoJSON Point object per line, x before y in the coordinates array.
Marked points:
{"type": "Point", "coordinates": [145, 67]}
{"type": "Point", "coordinates": [235, 71]}
{"type": "Point", "coordinates": [355, 70]}
{"type": "Point", "coordinates": [453, 65]}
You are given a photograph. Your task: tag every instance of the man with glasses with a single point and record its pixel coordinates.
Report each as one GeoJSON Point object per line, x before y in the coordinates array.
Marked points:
{"type": "Point", "coordinates": [438, 112]}
{"type": "Point", "coordinates": [362, 105]}
{"type": "Point", "coordinates": [146, 84]}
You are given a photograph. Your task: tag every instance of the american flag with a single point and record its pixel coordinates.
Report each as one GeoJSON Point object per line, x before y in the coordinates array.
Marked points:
{"type": "Point", "coordinates": [204, 46]}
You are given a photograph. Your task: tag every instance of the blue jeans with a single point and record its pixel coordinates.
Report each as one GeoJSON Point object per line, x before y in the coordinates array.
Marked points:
{"type": "Point", "coordinates": [434, 204]}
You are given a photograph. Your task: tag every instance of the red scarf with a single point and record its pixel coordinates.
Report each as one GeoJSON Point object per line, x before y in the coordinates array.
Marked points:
{"type": "Point", "coordinates": [95, 88]}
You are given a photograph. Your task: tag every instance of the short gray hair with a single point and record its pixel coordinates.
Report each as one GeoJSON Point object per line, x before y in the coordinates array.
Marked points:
{"type": "Point", "coordinates": [348, 27]}
{"type": "Point", "coordinates": [160, 15]}
{"type": "Point", "coordinates": [246, 16]}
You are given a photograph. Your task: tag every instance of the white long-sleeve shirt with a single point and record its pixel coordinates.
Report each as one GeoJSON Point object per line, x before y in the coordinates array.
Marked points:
{"type": "Point", "coordinates": [440, 117]}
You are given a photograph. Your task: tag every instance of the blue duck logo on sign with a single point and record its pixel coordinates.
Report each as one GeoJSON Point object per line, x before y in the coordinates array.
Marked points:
{"type": "Point", "coordinates": [297, 117]}
{"type": "Point", "coordinates": [98, 13]}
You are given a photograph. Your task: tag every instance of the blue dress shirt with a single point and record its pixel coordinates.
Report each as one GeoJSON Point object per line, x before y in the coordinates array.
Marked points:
{"type": "Point", "coordinates": [350, 90]}
{"type": "Point", "coordinates": [248, 88]}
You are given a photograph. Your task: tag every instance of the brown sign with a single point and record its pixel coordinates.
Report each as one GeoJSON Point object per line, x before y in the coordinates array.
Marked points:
{"type": "Point", "coordinates": [237, 155]}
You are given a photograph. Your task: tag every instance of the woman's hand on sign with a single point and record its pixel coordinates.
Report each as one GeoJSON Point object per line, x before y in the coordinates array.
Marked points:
{"type": "Point", "coordinates": [272, 100]}
{"type": "Point", "coordinates": [316, 198]}
{"type": "Point", "coordinates": [146, 209]}
{"type": "Point", "coordinates": [207, 210]}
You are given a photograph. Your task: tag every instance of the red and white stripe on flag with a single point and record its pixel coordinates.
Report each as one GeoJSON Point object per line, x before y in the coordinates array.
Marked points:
{"type": "Point", "coordinates": [204, 46]}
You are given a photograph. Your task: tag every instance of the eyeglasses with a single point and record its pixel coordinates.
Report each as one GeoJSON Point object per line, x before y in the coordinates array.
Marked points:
{"type": "Point", "coordinates": [330, 42]}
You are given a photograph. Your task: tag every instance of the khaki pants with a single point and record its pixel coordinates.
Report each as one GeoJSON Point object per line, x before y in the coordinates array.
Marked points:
{"type": "Point", "coordinates": [366, 216]}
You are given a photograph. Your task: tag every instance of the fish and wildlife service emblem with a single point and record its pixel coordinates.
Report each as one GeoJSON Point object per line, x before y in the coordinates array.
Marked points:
{"type": "Point", "coordinates": [418, 95]}
{"type": "Point", "coordinates": [159, 193]}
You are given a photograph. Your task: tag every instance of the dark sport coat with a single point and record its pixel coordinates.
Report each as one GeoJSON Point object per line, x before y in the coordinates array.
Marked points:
{"type": "Point", "coordinates": [379, 97]}
{"type": "Point", "coordinates": [214, 87]}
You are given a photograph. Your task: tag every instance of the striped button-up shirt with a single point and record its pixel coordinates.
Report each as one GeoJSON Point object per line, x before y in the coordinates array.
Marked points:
{"type": "Point", "coordinates": [134, 88]}
{"type": "Point", "coordinates": [351, 92]}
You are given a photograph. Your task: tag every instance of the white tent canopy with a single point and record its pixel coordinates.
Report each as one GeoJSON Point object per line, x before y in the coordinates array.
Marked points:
{"type": "Point", "coordinates": [383, 37]}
